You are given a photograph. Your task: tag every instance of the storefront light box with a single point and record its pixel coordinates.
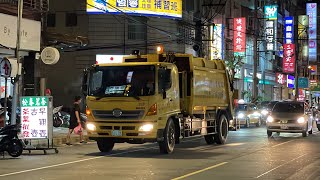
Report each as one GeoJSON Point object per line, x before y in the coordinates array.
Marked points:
{"type": "Point", "coordinates": [157, 8]}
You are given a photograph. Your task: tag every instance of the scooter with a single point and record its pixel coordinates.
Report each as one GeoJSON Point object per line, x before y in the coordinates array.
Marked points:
{"type": "Point", "coordinates": [57, 117]}
{"type": "Point", "coordinates": [9, 140]}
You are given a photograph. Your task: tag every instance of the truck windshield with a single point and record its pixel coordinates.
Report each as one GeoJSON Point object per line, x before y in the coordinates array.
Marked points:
{"type": "Point", "coordinates": [120, 81]}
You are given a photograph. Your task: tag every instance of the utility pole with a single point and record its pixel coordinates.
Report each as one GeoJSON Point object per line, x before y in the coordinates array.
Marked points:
{"type": "Point", "coordinates": [17, 80]}
{"type": "Point", "coordinates": [255, 54]}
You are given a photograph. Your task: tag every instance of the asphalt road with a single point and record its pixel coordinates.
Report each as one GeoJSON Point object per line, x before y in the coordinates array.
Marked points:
{"type": "Point", "coordinates": [249, 154]}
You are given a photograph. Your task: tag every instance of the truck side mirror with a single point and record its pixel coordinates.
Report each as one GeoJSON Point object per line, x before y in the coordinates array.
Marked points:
{"type": "Point", "coordinates": [84, 89]}
{"type": "Point", "coordinates": [84, 86]}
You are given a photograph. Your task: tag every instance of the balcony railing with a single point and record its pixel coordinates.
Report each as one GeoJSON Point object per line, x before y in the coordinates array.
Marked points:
{"type": "Point", "coordinates": [37, 6]}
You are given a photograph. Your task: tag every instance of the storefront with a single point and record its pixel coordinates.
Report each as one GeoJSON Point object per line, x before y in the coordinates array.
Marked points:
{"type": "Point", "coordinates": [30, 41]}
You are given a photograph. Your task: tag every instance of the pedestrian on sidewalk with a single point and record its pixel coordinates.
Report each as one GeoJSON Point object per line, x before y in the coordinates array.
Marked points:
{"type": "Point", "coordinates": [75, 120]}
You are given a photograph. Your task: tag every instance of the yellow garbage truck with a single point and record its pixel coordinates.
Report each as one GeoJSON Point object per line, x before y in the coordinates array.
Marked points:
{"type": "Point", "coordinates": [158, 98]}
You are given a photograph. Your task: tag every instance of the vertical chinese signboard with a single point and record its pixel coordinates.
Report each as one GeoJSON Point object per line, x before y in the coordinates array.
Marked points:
{"type": "Point", "coordinates": [303, 23]}
{"type": "Point", "coordinates": [217, 45]}
{"type": "Point", "coordinates": [312, 13]}
{"type": "Point", "coordinates": [288, 30]}
{"type": "Point", "coordinates": [271, 14]}
{"type": "Point", "coordinates": [239, 36]}
{"type": "Point", "coordinates": [289, 58]}
{"type": "Point", "coordinates": [270, 35]}
{"type": "Point", "coordinates": [281, 78]}
{"type": "Point", "coordinates": [34, 117]}
{"type": "Point", "coordinates": [290, 81]}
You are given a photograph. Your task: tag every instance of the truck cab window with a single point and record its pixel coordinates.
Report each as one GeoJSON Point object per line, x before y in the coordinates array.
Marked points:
{"type": "Point", "coordinates": [96, 82]}
{"type": "Point", "coordinates": [164, 80]}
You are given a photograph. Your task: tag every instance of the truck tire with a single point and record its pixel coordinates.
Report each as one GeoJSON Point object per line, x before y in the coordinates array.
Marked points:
{"type": "Point", "coordinates": [222, 130]}
{"type": "Point", "coordinates": [167, 145]}
{"type": "Point", "coordinates": [105, 145]}
{"type": "Point", "coordinates": [269, 133]}
{"type": "Point", "coordinates": [209, 139]}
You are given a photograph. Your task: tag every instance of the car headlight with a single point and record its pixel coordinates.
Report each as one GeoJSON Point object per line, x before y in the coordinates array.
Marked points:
{"type": "Point", "coordinates": [256, 114]}
{"type": "Point", "coordinates": [146, 128]}
{"type": "Point", "coordinates": [270, 119]}
{"type": "Point", "coordinates": [241, 115]}
{"type": "Point", "coordinates": [301, 120]}
{"type": "Point", "coordinates": [91, 127]}
{"type": "Point", "coordinates": [264, 112]}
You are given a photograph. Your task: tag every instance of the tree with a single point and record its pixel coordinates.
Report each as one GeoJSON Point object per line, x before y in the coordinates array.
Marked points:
{"type": "Point", "coordinates": [233, 62]}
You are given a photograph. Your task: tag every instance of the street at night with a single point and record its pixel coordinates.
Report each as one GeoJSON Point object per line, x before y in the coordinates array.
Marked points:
{"type": "Point", "coordinates": [249, 154]}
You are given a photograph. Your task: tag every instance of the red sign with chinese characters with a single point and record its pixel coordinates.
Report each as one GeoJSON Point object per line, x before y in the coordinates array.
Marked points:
{"type": "Point", "coordinates": [289, 58]}
{"type": "Point", "coordinates": [239, 35]}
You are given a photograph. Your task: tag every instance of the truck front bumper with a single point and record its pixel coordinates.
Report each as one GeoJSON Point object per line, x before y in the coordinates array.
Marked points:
{"type": "Point", "coordinates": [124, 131]}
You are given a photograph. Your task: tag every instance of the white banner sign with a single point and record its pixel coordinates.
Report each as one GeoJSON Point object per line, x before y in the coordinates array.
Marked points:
{"type": "Point", "coordinates": [30, 33]}
{"type": "Point", "coordinates": [34, 117]}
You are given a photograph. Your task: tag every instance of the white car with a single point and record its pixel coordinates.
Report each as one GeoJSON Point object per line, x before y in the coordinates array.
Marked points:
{"type": "Point", "coordinates": [289, 117]}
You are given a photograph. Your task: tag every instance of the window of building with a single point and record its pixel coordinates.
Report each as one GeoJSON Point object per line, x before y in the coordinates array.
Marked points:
{"type": "Point", "coordinates": [71, 19]}
{"type": "Point", "coordinates": [137, 30]}
{"type": "Point", "coordinates": [51, 20]}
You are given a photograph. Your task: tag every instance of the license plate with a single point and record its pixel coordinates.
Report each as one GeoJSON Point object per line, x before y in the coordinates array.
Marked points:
{"type": "Point", "coordinates": [116, 133]}
{"type": "Point", "coordinates": [284, 127]}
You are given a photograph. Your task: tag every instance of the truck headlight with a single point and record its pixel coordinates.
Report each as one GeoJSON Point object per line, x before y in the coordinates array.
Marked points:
{"type": "Point", "coordinates": [270, 119]}
{"type": "Point", "coordinates": [240, 115]}
{"type": "Point", "coordinates": [91, 127]}
{"type": "Point", "coordinates": [264, 112]}
{"type": "Point", "coordinates": [301, 120]}
{"type": "Point", "coordinates": [146, 128]}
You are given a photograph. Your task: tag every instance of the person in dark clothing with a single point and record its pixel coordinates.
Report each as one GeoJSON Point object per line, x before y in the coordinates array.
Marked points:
{"type": "Point", "coordinates": [75, 119]}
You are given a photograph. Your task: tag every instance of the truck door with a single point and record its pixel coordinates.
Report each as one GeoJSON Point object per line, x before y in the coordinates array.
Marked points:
{"type": "Point", "coordinates": [168, 89]}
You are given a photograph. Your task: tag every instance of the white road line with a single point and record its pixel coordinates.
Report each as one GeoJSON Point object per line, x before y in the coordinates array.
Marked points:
{"type": "Point", "coordinates": [82, 160]}
{"type": "Point", "coordinates": [281, 143]}
{"type": "Point", "coordinates": [200, 171]}
{"type": "Point", "coordinates": [280, 166]}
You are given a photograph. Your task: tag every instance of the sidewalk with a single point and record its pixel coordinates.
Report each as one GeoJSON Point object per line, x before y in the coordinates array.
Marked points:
{"type": "Point", "coordinates": [59, 138]}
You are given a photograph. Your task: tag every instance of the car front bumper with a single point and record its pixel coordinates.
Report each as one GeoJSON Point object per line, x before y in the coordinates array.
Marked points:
{"type": "Point", "coordinates": [293, 127]}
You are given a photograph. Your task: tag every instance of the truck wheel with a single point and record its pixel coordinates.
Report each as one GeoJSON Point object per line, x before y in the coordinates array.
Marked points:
{"type": "Point", "coordinates": [167, 145]}
{"type": "Point", "coordinates": [222, 130]}
{"type": "Point", "coordinates": [269, 133]}
{"type": "Point", "coordinates": [209, 139]}
{"type": "Point", "coordinates": [105, 145]}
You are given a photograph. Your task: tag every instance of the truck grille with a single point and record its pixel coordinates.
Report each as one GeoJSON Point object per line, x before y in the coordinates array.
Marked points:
{"type": "Point", "coordinates": [126, 115]}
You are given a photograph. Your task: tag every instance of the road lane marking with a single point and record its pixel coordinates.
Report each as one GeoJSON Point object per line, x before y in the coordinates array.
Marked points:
{"type": "Point", "coordinates": [281, 144]}
{"type": "Point", "coordinates": [200, 171]}
{"type": "Point", "coordinates": [83, 160]}
{"type": "Point", "coordinates": [280, 166]}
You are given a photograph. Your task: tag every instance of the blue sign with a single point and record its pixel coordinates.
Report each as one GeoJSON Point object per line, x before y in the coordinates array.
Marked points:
{"type": "Point", "coordinates": [271, 12]}
{"type": "Point", "coordinates": [303, 82]}
{"type": "Point", "coordinates": [288, 30]}
{"type": "Point", "coordinates": [290, 81]}
{"type": "Point", "coordinates": [312, 13]}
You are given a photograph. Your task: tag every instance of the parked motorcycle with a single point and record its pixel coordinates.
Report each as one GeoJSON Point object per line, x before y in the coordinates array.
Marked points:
{"type": "Point", "coordinates": [61, 118]}
{"type": "Point", "coordinates": [9, 140]}
{"type": "Point", "coordinates": [57, 117]}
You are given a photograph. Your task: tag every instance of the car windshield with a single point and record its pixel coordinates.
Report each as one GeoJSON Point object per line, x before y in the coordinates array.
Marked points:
{"type": "Point", "coordinates": [242, 107]}
{"type": "Point", "coordinates": [288, 108]}
{"type": "Point", "coordinates": [119, 81]}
